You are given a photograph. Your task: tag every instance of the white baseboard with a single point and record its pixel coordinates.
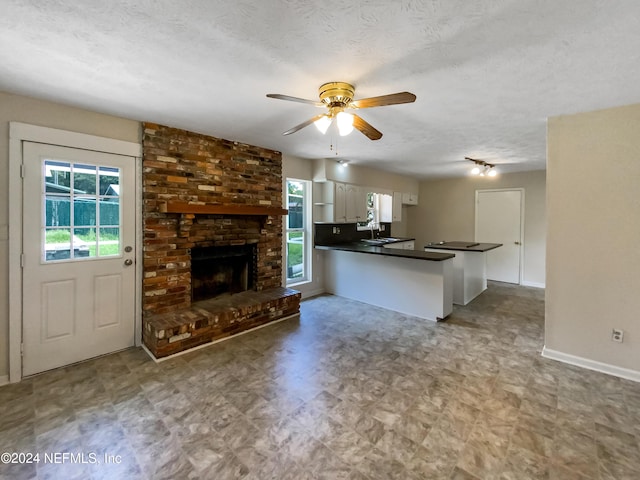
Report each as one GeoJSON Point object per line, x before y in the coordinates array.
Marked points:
{"type": "Point", "coordinates": [313, 293]}
{"type": "Point", "coordinates": [208, 344]}
{"type": "Point", "coordinates": [4, 380]}
{"type": "Point", "coordinates": [592, 364]}
{"type": "Point", "coordinates": [532, 284]}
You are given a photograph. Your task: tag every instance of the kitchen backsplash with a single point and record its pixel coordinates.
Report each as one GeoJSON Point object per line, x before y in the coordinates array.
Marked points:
{"type": "Point", "coordinates": [335, 233]}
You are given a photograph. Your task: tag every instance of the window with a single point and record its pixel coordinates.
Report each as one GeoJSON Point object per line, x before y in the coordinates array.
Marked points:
{"type": "Point", "coordinates": [297, 235]}
{"type": "Point", "coordinates": [373, 212]}
{"type": "Point", "coordinates": [81, 211]}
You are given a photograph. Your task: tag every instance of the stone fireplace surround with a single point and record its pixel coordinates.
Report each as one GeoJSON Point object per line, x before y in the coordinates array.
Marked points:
{"type": "Point", "coordinates": [200, 191]}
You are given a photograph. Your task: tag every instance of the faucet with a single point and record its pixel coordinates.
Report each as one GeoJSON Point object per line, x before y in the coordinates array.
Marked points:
{"type": "Point", "coordinates": [371, 225]}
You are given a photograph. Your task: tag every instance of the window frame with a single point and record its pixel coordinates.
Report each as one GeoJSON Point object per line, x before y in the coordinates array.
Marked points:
{"type": "Point", "coordinates": [305, 230]}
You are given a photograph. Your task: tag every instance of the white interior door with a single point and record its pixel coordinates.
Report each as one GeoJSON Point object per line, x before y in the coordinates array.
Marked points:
{"type": "Point", "coordinates": [78, 255]}
{"type": "Point", "coordinates": [499, 220]}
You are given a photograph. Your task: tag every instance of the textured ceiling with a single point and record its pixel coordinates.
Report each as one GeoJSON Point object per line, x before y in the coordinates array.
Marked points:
{"type": "Point", "coordinates": [487, 73]}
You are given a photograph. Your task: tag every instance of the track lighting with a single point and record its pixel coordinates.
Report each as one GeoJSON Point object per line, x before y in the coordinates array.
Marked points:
{"type": "Point", "coordinates": [482, 168]}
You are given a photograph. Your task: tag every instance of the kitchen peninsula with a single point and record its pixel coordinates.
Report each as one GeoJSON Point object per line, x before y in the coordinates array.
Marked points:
{"type": "Point", "coordinates": [412, 282]}
{"type": "Point", "coordinates": [469, 267]}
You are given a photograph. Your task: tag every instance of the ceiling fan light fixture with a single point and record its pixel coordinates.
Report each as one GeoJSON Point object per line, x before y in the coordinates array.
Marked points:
{"type": "Point", "coordinates": [475, 171]}
{"type": "Point", "coordinates": [492, 172]}
{"type": "Point", "coordinates": [345, 123]}
{"type": "Point", "coordinates": [322, 124]}
{"type": "Point", "coordinates": [337, 97]}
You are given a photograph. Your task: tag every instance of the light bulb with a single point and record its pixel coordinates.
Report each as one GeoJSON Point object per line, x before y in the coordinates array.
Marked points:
{"type": "Point", "coordinates": [492, 172]}
{"type": "Point", "coordinates": [323, 123]}
{"type": "Point", "coordinates": [475, 171]}
{"type": "Point", "coordinates": [345, 123]}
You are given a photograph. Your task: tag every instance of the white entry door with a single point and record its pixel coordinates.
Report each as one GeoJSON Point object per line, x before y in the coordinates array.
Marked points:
{"type": "Point", "coordinates": [499, 220]}
{"type": "Point", "coordinates": [79, 255]}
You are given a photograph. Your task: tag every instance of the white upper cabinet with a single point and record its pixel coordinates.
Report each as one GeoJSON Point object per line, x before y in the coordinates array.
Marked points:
{"type": "Point", "coordinates": [336, 202]}
{"type": "Point", "coordinates": [410, 198]}
{"type": "Point", "coordinates": [397, 207]}
{"type": "Point", "coordinates": [340, 203]}
{"type": "Point", "coordinates": [386, 208]}
{"type": "Point", "coordinates": [356, 203]}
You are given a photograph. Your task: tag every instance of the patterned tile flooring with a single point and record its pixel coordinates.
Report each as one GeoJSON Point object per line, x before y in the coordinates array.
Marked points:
{"type": "Point", "coordinates": [349, 391]}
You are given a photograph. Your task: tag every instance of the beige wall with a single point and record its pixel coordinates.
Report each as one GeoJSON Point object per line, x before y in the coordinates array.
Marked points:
{"type": "Point", "coordinates": [14, 108]}
{"type": "Point", "coordinates": [446, 211]}
{"type": "Point", "coordinates": [593, 247]}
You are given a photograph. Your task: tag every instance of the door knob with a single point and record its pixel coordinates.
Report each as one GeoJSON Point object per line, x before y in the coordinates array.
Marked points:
{"type": "Point", "coordinates": [128, 262]}
{"type": "Point", "coordinates": [517, 243]}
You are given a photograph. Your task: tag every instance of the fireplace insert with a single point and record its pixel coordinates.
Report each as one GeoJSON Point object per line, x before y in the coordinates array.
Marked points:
{"type": "Point", "coordinates": [222, 270]}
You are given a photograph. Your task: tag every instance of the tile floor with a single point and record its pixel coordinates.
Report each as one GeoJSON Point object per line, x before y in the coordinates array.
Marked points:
{"type": "Point", "coordinates": [349, 391]}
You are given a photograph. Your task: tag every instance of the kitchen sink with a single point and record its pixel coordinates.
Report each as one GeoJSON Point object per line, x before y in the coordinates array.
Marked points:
{"type": "Point", "coordinates": [377, 242]}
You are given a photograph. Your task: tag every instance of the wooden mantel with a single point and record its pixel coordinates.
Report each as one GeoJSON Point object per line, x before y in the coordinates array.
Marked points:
{"type": "Point", "coordinates": [217, 209]}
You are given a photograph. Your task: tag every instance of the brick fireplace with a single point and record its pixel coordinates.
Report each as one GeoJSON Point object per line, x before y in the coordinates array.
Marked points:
{"type": "Point", "coordinates": [203, 193]}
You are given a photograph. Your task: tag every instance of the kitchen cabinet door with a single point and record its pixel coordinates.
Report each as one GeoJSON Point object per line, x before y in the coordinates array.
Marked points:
{"type": "Point", "coordinates": [410, 198]}
{"type": "Point", "coordinates": [340, 203]}
{"type": "Point", "coordinates": [356, 203]}
{"type": "Point", "coordinates": [386, 208]}
{"type": "Point", "coordinates": [397, 207]}
{"type": "Point", "coordinates": [351, 194]}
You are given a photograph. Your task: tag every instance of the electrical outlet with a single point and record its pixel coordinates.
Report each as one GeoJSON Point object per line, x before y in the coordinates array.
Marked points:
{"type": "Point", "coordinates": [617, 335]}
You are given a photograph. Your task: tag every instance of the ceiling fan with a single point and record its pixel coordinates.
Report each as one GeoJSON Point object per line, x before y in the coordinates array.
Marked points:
{"type": "Point", "coordinates": [337, 97]}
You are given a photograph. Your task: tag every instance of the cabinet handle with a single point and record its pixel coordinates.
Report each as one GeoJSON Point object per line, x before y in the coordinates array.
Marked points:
{"type": "Point", "coordinates": [517, 243]}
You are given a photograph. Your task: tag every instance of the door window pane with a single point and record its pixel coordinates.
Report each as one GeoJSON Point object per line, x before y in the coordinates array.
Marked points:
{"type": "Point", "coordinates": [57, 176]}
{"type": "Point", "coordinates": [83, 199]}
{"type": "Point", "coordinates": [57, 211]}
{"type": "Point", "coordinates": [109, 242]}
{"type": "Point", "coordinates": [109, 181]}
{"type": "Point", "coordinates": [84, 243]}
{"type": "Point", "coordinates": [110, 211]}
{"type": "Point", "coordinates": [84, 179]}
{"type": "Point", "coordinates": [57, 244]}
{"type": "Point", "coordinates": [84, 211]}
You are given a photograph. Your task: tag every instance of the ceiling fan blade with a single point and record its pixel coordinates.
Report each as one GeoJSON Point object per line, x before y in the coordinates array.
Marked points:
{"type": "Point", "coordinates": [304, 124]}
{"type": "Point", "coordinates": [295, 99]}
{"type": "Point", "coordinates": [366, 128]}
{"type": "Point", "coordinates": [391, 99]}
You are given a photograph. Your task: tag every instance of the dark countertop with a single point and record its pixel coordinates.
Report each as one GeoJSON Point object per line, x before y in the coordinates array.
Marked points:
{"type": "Point", "coordinates": [464, 246]}
{"type": "Point", "coordinates": [361, 247]}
